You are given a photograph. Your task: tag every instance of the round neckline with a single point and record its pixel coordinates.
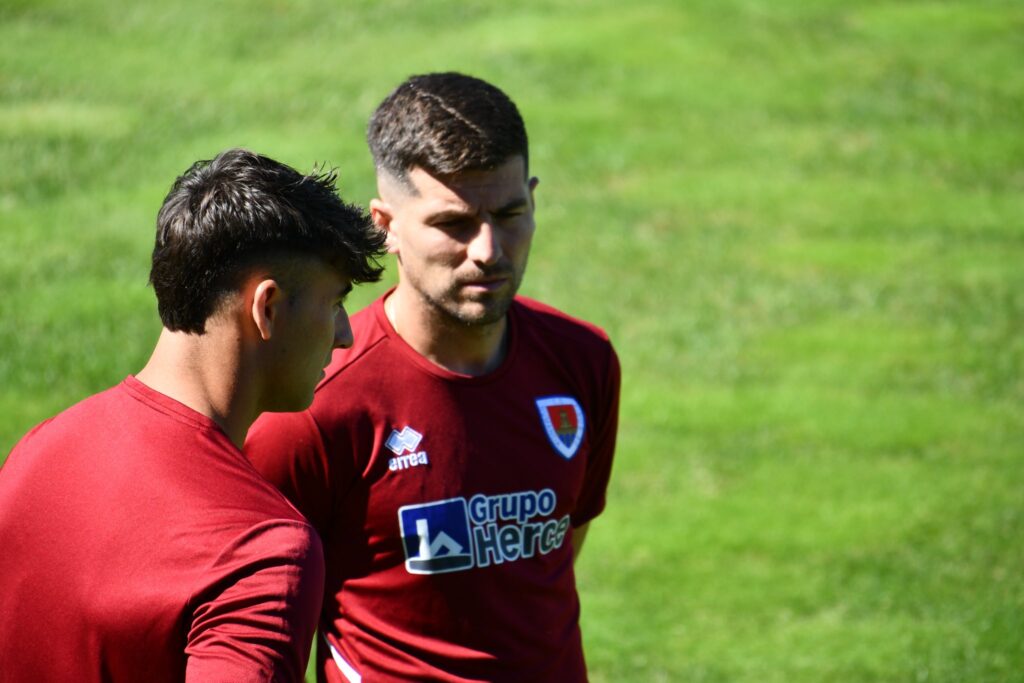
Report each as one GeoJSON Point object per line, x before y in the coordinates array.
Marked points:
{"type": "Point", "coordinates": [173, 408]}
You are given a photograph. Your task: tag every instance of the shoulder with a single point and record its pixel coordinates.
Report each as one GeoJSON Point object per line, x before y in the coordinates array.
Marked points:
{"type": "Point", "coordinates": [550, 342]}
{"type": "Point", "coordinates": [82, 417]}
{"type": "Point", "coordinates": [537, 319]}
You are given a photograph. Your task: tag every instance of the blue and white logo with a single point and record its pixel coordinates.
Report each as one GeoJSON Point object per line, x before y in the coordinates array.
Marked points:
{"type": "Point", "coordinates": [436, 537]}
{"type": "Point", "coordinates": [404, 441]}
{"type": "Point", "coordinates": [457, 534]}
{"type": "Point", "coordinates": [404, 444]}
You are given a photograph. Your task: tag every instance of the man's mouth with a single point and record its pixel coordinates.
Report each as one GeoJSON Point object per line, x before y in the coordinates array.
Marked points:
{"type": "Point", "coordinates": [488, 281]}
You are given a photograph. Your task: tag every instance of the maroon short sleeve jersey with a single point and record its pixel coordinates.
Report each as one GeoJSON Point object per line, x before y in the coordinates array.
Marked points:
{"type": "Point", "coordinates": [137, 543]}
{"type": "Point", "coordinates": [447, 502]}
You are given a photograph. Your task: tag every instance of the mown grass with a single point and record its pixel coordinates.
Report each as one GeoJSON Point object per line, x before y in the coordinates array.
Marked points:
{"type": "Point", "coordinates": [802, 223]}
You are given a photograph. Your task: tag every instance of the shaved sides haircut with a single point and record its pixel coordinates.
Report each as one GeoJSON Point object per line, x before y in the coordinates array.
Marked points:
{"type": "Point", "coordinates": [446, 124]}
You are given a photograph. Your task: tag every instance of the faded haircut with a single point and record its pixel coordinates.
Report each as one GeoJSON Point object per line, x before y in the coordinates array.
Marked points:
{"type": "Point", "coordinates": [240, 211]}
{"type": "Point", "coordinates": [446, 124]}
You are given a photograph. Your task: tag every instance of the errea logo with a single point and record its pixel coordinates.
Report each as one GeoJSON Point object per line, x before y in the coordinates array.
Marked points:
{"type": "Point", "coordinates": [401, 441]}
{"type": "Point", "coordinates": [403, 444]}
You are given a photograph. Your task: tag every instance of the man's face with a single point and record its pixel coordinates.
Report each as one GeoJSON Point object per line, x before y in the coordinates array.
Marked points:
{"type": "Point", "coordinates": [310, 324]}
{"type": "Point", "coordinates": [462, 242]}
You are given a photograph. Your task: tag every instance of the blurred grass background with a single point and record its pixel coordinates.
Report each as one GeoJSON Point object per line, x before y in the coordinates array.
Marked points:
{"type": "Point", "coordinates": [801, 222]}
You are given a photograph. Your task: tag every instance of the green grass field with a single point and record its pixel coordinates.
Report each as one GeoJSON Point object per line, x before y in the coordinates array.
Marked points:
{"type": "Point", "coordinates": [801, 222]}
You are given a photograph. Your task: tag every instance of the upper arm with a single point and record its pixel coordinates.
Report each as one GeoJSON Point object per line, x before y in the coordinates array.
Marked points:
{"type": "Point", "coordinates": [255, 618]}
{"type": "Point", "coordinates": [604, 430]}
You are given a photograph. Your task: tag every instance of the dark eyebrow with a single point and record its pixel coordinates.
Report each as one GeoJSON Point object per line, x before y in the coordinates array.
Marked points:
{"type": "Point", "coordinates": [515, 204]}
{"type": "Point", "coordinates": [454, 214]}
{"type": "Point", "coordinates": [448, 215]}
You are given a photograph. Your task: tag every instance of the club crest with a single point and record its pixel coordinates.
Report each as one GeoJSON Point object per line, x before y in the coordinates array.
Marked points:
{"type": "Point", "coordinates": [563, 422]}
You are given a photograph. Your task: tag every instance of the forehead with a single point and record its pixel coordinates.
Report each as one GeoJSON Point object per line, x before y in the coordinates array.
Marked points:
{"type": "Point", "coordinates": [471, 190]}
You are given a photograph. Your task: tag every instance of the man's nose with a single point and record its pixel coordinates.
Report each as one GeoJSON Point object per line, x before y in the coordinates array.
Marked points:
{"type": "Point", "coordinates": [485, 247]}
{"type": "Point", "coordinates": [342, 330]}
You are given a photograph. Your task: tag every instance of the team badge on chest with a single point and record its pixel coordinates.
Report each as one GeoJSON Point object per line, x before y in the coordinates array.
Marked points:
{"type": "Point", "coordinates": [563, 422]}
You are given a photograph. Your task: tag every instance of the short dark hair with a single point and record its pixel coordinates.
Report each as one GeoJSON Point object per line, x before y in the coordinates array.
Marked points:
{"type": "Point", "coordinates": [445, 123]}
{"type": "Point", "coordinates": [241, 210]}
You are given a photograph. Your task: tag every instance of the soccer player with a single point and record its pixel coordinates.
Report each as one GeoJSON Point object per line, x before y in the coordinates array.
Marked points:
{"type": "Point", "coordinates": [454, 456]}
{"type": "Point", "coordinates": [137, 543]}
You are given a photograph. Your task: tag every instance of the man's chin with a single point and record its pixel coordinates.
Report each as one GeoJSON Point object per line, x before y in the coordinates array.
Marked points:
{"type": "Point", "coordinates": [481, 313]}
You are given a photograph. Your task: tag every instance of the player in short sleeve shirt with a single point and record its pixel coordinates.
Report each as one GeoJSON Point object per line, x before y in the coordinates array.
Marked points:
{"type": "Point", "coordinates": [137, 542]}
{"type": "Point", "coordinates": [454, 456]}
{"type": "Point", "coordinates": [446, 502]}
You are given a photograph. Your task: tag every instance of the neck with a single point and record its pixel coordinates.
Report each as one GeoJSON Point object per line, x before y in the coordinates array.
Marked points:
{"type": "Point", "coordinates": [465, 349]}
{"type": "Point", "coordinates": [205, 372]}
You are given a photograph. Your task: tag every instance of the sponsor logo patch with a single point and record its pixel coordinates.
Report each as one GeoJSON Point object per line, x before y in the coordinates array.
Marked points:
{"type": "Point", "coordinates": [403, 444]}
{"type": "Point", "coordinates": [436, 537]}
{"type": "Point", "coordinates": [458, 534]}
{"type": "Point", "coordinates": [563, 422]}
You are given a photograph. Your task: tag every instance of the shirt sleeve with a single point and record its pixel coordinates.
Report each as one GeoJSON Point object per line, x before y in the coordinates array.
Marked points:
{"type": "Point", "coordinates": [288, 450]}
{"type": "Point", "coordinates": [604, 426]}
{"type": "Point", "coordinates": [256, 613]}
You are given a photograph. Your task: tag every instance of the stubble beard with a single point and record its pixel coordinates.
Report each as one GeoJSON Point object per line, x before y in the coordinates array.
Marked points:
{"type": "Point", "coordinates": [478, 312]}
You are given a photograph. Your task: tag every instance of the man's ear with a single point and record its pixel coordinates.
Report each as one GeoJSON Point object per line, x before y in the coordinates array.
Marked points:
{"type": "Point", "coordinates": [532, 184]}
{"type": "Point", "coordinates": [383, 215]}
{"type": "Point", "coordinates": [266, 304]}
